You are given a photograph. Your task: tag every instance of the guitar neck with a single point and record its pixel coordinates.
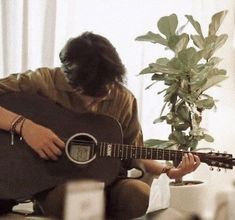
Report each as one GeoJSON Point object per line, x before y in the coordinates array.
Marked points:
{"type": "Point", "coordinates": [133, 152]}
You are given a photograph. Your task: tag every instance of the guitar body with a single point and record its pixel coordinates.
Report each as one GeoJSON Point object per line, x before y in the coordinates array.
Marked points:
{"type": "Point", "coordinates": [23, 173]}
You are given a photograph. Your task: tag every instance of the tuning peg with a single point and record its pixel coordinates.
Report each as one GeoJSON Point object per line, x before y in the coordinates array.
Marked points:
{"type": "Point", "coordinates": [218, 169]}
{"type": "Point", "coordinates": [211, 168]}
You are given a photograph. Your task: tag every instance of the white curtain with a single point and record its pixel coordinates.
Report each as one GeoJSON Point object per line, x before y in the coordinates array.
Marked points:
{"type": "Point", "coordinates": [34, 31]}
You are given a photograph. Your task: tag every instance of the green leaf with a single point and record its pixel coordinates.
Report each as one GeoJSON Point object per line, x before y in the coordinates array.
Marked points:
{"type": "Point", "coordinates": [198, 41]}
{"type": "Point", "coordinates": [150, 85]}
{"type": "Point", "coordinates": [189, 57]}
{"type": "Point", "coordinates": [158, 77]}
{"type": "Point", "coordinates": [213, 43]}
{"type": "Point", "coordinates": [182, 43]}
{"type": "Point", "coordinates": [183, 112]}
{"type": "Point", "coordinates": [208, 138]}
{"type": "Point", "coordinates": [177, 137]}
{"type": "Point", "coordinates": [147, 70]}
{"type": "Point", "coordinates": [175, 63]}
{"type": "Point", "coordinates": [158, 143]}
{"type": "Point", "coordinates": [159, 120]}
{"type": "Point", "coordinates": [153, 38]}
{"type": "Point", "coordinates": [171, 91]}
{"type": "Point", "coordinates": [163, 69]}
{"type": "Point", "coordinates": [163, 108]}
{"type": "Point", "coordinates": [220, 41]}
{"type": "Point", "coordinates": [195, 24]}
{"type": "Point", "coordinates": [181, 126]}
{"type": "Point", "coordinates": [162, 61]}
{"type": "Point", "coordinates": [214, 78]}
{"type": "Point", "coordinates": [178, 42]}
{"type": "Point", "coordinates": [213, 61]}
{"type": "Point", "coordinates": [205, 103]}
{"type": "Point", "coordinates": [216, 21]}
{"type": "Point", "coordinates": [193, 144]}
{"type": "Point", "coordinates": [198, 80]}
{"type": "Point", "coordinates": [167, 25]}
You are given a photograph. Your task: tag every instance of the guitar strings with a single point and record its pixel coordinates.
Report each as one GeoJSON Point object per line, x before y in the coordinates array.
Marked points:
{"type": "Point", "coordinates": [166, 152]}
{"type": "Point", "coordinates": [150, 153]}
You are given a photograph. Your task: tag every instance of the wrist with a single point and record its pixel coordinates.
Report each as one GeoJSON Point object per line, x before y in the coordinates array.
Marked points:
{"type": "Point", "coordinates": [19, 126]}
{"type": "Point", "coordinates": [26, 125]}
{"type": "Point", "coordinates": [167, 170]}
{"type": "Point", "coordinates": [176, 173]}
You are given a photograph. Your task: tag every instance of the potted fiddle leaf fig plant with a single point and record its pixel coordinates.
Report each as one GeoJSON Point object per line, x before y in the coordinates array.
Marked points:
{"type": "Point", "coordinates": [187, 75]}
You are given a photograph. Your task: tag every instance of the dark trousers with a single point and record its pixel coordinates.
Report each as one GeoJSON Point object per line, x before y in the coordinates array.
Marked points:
{"type": "Point", "coordinates": [6, 206]}
{"type": "Point", "coordinates": [126, 199]}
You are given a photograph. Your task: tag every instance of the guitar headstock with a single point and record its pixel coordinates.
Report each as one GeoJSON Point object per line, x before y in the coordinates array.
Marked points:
{"type": "Point", "coordinates": [220, 160]}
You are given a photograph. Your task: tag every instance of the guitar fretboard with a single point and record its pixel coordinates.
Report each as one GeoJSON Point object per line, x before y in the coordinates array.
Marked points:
{"type": "Point", "coordinates": [133, 152]}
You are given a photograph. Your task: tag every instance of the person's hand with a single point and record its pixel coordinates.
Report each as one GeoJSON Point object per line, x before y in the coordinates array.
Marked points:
{"type": "Point", "coordinates": [42, 140]}
{"type": "Point", "coordinates": [188, 164]}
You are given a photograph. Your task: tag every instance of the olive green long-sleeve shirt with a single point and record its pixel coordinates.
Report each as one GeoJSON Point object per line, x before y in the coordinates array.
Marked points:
{"type": "Point", "coordinates": [120, 103]}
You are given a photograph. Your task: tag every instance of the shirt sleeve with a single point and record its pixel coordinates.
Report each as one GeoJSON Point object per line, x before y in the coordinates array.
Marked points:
{"type": "Point", "coordinates": [133, 132]}
{"type": "Point", "coordinates": [29, 81]}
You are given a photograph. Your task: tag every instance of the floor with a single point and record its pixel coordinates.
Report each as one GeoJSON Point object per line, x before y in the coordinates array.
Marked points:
{"type": "Point", "coordinates": [167, 214]}
{"type": "Point", "coordinates": [23, 212]}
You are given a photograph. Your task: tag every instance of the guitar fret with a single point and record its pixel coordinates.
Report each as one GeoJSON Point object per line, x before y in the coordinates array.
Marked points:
{"type": "Point", "coordinates": [148, 153]}
{"type": "Point", "coordinates": [114, 148]}
{"type": "Point", "coordinates": [138, 150]}
{"type": "Point", "coordinates": [160, 157]}
{"type": "Point", "coordinates": [103, 153]}
{"type": "Point", "coordinates": [122, 150]}
{"type": "Point", "coordinates": [118, 150]}
{"type": "Point", "coordinates": [135, 154]}
{"type": "Point", "coordinates": [151, 153]}
{"type": "Point", "coordinates": [171, 155]}
{"type": "Point", "coordinates": [104, 149]}
{"type": "Point", "coordinates": [100, 148]}
{"type": "Point", "coordinates": [126, 148]}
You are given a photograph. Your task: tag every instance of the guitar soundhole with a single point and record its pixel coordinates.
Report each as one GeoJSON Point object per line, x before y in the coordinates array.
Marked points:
{"type": "Point", "coordinates": [81, 148]}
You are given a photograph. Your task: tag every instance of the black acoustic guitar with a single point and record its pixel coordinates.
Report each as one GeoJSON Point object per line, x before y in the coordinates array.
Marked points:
{"type": "Point", "coordinates": [93, 150]}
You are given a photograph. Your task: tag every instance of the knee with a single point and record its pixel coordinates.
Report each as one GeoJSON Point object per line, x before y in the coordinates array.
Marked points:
{"type": "Point", "coordinates": [51, 202]}
{"type": "Point", "coordinates": [134, 199]}
{"type": "Point", "coordinates": [138, 199]}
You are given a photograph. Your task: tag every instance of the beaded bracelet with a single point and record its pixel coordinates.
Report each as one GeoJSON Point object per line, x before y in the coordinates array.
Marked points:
{"type": "Point", "coordinates": [14, 123]}
{"type": "Point", "coordinates": [21, 128]}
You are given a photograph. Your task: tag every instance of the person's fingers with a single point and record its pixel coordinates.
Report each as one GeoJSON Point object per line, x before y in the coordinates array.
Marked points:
{"type": "Point", "coordinates": [48, 151]}
{"type": "Point", "coordinates": [191, 159]}
{"type": "Point", "coordinates": [55, 149]}
{"type": "Point", "coordinates": [42, 155]}
{"type": "Point", "coordinates": [59, 142]}
{"type": "Point", "coordinates": [197, 162]}
{"type": "Point", "coordinates": [186, 160]}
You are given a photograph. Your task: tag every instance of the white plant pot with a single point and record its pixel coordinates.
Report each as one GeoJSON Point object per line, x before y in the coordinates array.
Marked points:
{"type": "Point", "coordinates": [190, 197]}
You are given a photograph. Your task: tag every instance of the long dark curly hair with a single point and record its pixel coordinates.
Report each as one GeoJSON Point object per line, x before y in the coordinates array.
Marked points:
{"type": "Point", "coordinates": [90, 62]}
